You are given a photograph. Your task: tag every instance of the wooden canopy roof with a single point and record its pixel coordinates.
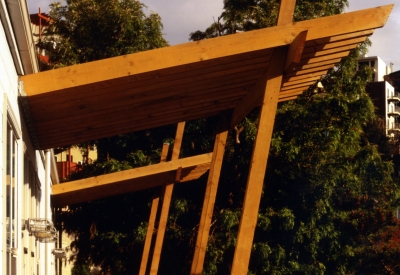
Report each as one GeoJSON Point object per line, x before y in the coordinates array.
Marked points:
{"type": "Point", "coordinates": [188, 81]}
{"type": "Point", "coordinates": [185, 82]}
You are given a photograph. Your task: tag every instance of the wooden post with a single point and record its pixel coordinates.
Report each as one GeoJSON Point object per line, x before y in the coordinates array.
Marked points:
{"type": "Point", "coordinates": [209, 197]}
{"type": "Point", "coordinates": [152, 219]}
{"type": "Point", "coordinates": [258, 163]}
{"type": "Point", "coordinates": [286, 10]}
{"type": "Point", "coordinates": [166, 203]}
{"type": "Point", "coordinates": [273, 80]}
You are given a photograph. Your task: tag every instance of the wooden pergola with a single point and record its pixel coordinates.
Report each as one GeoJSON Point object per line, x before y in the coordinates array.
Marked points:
{"type": "Point", "coordinates": [226, 76]}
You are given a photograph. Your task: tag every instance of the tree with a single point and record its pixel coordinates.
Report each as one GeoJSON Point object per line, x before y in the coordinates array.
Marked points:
{"type": "Point", "coordinates": [88, 30]}
{"type": "Point", "coordinates": [247, 15]}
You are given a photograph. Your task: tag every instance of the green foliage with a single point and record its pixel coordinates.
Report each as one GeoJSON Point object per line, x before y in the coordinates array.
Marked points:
{"type": "Point", "coordinates": [246, 15]}
{"type": "Point", "coordinates": [80, 269]}
{"type": "Point", "coordinates": [88, 30]}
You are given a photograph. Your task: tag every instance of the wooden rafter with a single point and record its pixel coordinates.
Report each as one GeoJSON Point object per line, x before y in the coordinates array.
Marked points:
{"type": "Point", "coordinates": [155, 60]}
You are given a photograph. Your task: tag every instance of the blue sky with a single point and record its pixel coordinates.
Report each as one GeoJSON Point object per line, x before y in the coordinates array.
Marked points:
{"type": "Point", "coordinates": [181, 17]}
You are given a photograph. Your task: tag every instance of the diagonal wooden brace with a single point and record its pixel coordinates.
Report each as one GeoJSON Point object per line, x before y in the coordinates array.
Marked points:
{"type": "Point", "coordinates": [210, 196]}
{"type": "Point", "coordinates": [152, 220]}
{"type": "Point", "coordinates": [166, 202]}
{"type": "Point", "coordinates": [273, 79]}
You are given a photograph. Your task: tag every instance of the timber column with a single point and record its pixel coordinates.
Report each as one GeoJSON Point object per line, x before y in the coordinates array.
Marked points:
{"type": "Point", "coordinates": [273, 82]}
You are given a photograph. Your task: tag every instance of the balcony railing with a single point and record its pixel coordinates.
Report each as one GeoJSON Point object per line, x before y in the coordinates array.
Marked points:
{"type": "Point", "coordinates": [393, 127]}
{"type": "Point", "coordinates": [395, 96]}
{"type": "Point", "coordinates": [394, 110]}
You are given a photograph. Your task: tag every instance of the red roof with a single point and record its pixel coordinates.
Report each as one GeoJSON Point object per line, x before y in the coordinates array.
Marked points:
{"type": "Point", "coordinates": [35, 19]}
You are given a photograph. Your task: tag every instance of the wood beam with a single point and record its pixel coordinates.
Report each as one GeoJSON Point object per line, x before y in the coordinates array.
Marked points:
{"type": "Point", "coordinates": [210, 196]}
{"type": "Point", "coordinates": [253, 99]}
{"type": "Point", "coordinates": [168, 189]}
{"type": "Point", "coordinates": [258, 164]}
{"type": "Point", "coordinates": [295, 51]}
{"type": "Point", "coordinates": [152, 220]}
{"type": "Point", "coordinates": [125, 68]}
{"type": "Point", "coordinates": [129, 180]}
{"type": "Point", "coordinates": [286, 11]}
{"type": "Point", "coordinates": [248, 102]}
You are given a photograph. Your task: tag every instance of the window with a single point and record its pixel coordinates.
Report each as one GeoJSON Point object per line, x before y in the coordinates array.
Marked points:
{"type": "Point", "coordinates": [12, 198]}
{"type": "Point", "coordinates": [363, 64]}
{"type": "Point", "coordinates": [11, 135]}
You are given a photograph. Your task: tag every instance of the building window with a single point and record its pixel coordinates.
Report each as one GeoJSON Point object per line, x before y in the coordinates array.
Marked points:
{"type": "Point", "coordinates": [12, 199]}
{"type": "Point", "coordinates": [363, 64]}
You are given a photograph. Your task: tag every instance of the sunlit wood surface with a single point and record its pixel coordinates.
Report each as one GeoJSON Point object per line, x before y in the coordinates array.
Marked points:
{"type": "Point", "coordinates": [129, 180]}
{"type": "Point", "coordinates": [183, 82]}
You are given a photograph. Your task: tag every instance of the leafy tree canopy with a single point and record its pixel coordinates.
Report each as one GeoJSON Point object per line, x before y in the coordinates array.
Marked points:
{"type": "Point", "coordinates": [246, 15]}
{"type": "Point", "coordinates": [88, 30]}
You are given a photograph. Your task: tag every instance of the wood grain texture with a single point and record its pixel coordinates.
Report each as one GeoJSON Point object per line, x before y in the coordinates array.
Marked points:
{"type": "Point", "coordinates": [166, 201]}
{"type": "Point", "coordinates": [258, 163]}
{"type": "Point", "coordinates": [129, 180]}
{"type": "Point", "coordinates": [152, 220]}
{"type": "Point", "coordinates": [209, 197]}
{"type": "Point", "coordinates": [286, 11]}
{"type": "Point", "coordinates": [199, 79]}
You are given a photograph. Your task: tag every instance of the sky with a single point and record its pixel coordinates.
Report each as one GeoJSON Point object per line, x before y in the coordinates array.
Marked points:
{"type": "Point", "coordinates": [181, 17]}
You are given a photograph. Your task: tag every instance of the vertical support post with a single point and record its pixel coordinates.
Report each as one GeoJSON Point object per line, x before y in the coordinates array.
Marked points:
{"type": "Point", "coordinates": [166, 203]}
{"type": "Point", "coordinates": [258, 163]}
{"type": "Point", "coordinates": [209, 197]}
{"type": "Point", "coordinates": [152, 219]}
{"type": "Point", "coordinates": [47, 182]}
{"type": "Point", "coordinates": [286, 10]}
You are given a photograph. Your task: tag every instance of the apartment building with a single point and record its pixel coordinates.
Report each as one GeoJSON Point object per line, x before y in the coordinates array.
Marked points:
{"type": "Point", "coordinates": [383, 94]}
{"type": "Point", "coordinates": [28, 241]}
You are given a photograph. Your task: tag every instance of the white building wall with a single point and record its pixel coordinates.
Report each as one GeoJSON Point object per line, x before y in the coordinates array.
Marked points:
{"type": "Point", "coordinates": [33, 181]}
{"type": "Point", "coordinates": [381, 69]}
{"type": "Point", "coordinates": [3, 186]}
{"type": "Point", "coordinates": [389, 92]}
{"type": "Point", "coordinates": [378, 66]}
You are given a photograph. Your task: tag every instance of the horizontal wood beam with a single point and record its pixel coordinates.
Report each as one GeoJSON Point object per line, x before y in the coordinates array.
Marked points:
{"type": "Point", "coordinates": [129, 180]}
{"type": "Point", "coordinates": [127, 66]}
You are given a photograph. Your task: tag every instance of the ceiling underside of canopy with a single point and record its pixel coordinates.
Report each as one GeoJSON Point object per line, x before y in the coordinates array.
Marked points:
{"type": "Point", "coordinates": [183, 82]}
